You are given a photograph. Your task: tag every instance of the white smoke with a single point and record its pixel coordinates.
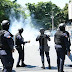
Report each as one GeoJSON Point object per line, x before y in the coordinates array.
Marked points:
{"type": "Point", "coordinates": [32, 56]}
{"type": "Point", "coordinates": [30, 33]}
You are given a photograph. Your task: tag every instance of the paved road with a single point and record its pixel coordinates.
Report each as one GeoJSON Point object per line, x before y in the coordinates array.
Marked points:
{"type": "Point", "coordinates": [33, 60]}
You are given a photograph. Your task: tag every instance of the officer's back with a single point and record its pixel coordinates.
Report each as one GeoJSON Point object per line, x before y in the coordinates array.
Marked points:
{"type": "Point", "coordinates": [59, 38]}
{"type": "Point", "coordinates": [61, 45]}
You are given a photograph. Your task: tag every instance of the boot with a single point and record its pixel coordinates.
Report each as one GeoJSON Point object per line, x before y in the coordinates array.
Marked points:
{"type": "Point", "coordinates": [23, 65]}
{"type": "Point", "coordinates": [49, 67]}
{"type": "Point", "coordinates": [18, 66]}
{"type": "Point", "coordinates": [43, 66]}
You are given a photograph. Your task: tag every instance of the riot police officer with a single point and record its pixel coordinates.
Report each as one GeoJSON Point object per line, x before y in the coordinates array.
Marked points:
{"type": "Point", "coordinates": [68, 42]}
{"type": "Point", "coordinates": [6, 47]}
{"type": "Point", "coordinates": [61, 46]}
{"type": "Point", "coordinates": [19, 40]}
{"type": "Point", "coordinates": [44, 48]}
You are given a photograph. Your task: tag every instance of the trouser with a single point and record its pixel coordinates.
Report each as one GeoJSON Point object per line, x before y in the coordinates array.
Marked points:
{"type": "Point", "coordinates": [42, 56]}
{"type": "Point", "coordinates": [60, 59]}
{"type": "Point", "coordinates": [7, 61]}
{"type": "Point", "coordinates": [21, 54]}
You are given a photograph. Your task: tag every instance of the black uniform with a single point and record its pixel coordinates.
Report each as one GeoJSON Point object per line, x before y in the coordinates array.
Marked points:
{"type": "Point", "coordinates": [19, 41]}
{"type": "Point", "coordinates": [61, 46]}
{"type": "Point", "coordinates": [68, 39]}
{"type": "Point", "coordinates": [6, 47]}
{"type": "Point", "coordinates": [44, 48]}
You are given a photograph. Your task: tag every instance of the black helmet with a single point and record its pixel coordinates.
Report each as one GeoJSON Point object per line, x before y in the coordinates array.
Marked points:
{"type": "Point", "coordinates": [62, 26]}
{"type": "Point", "coordinates": [5, 24]}
{"type": "Point", "coordinates": [42, 30]}
{"type": "Point", "coordinates": [21, 30]}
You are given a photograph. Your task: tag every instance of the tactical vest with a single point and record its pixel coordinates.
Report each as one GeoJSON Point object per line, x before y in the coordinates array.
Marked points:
{"type": "Point", "coordinates": [59, 38]}
{"type": "Point", "coordinates": [43, 40]}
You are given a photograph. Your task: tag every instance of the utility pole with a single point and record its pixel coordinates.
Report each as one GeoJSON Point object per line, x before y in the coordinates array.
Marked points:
{"type": "Point", "coordinates": [52, 21]}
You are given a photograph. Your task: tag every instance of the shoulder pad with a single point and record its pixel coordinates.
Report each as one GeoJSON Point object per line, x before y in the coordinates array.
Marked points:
{"type": "Point", "coordinates": [64, 34]}
{"type": "Point", "coordinates": [7, 34]}
{"type": "Point", "coordinates": [18, 36]}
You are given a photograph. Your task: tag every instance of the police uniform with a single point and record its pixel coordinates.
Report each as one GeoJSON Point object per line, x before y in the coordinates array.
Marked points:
{"type": "Point", "coordinates": [68, 39]}
{"type": "Point", "coordinates": [44, 48]}
{"type": "Point", "coordinates": [61, 45]}
{"type": "Point", "coordinates": [20, 40]}
{"type": "Point", "coordinates": [6, 51]}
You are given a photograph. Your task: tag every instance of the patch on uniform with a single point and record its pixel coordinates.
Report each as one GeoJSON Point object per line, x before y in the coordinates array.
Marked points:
{"type": "Point", "coordinates": [8, 36]}
{"type": "Point", "coordinates": [65, 34]}
{"type": "Point", "coordinates": [19, 37]}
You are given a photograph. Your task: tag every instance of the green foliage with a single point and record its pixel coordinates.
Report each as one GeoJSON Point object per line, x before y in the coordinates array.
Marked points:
{"type": "Point", "coordinates": [6, 8]}
{"type": "Point", "coordinates": [65, 11]}
{"type": "Point", "coordinates": [43, 12]}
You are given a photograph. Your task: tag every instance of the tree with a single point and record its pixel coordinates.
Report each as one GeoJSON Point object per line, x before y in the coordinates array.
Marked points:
{"type": "Point", "coordinates": [6, 7]}
{"type": "Point", "coordinates": [43, 13]}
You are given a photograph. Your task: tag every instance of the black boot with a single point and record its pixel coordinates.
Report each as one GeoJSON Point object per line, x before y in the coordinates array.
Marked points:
{"type": "Point", "coordinates": [23, 65]}
{"type": "Point", "coordinates": [18, 66]}
{"type": "Point", "coordinates": [49, 67]}
{"type": "Point", "coordinates": [43, 66]}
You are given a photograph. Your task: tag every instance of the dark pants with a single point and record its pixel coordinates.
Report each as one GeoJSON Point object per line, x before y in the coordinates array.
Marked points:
{"type": "Point", "coordinates": [42, 56]}
{"type": "Point", "coordinates": [60, 59]}
{"type": "Point", "coordinates": [21, 55]}
{"type": "Point", "coordinates": [7, 61]}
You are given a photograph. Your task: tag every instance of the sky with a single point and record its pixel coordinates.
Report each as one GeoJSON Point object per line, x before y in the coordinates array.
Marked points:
{"type": "Point", "coordinates": [60, 3]}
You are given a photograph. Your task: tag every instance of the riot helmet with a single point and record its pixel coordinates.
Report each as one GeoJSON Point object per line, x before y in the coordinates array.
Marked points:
{"type": "Point", "coordinates": [21, 30]}
{"type": "Point", "coordinates": [62, 26]}
{"type": "Point", "coordinates": [42, 30]}
{"type": "Point", "coordinates": [5, 24]}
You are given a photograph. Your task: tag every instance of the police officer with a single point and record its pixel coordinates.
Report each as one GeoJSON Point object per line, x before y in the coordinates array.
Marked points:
{"type": "Point", "coordinates": [68, 41]}
{"type": "Point", "coordinates": [6, 47]}
{"type": "Point", "coordinates": [61, 46]}
{"type": "Point", "coordinates": [19, 40]}
{"type": "Point", "coordinates": [44, 48]}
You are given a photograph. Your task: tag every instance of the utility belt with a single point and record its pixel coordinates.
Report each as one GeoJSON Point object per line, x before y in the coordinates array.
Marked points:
{"type": "Point", "coordinates": [58, 46]}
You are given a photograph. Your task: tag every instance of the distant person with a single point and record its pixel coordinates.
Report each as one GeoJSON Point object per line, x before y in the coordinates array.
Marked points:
{"type": "Point", "coordinates": [61, 46]}
{"type": "Point", "coordinates": [6, 47]}
{"type": "Point", "coordinates": [44, 48]}
{"type": "Point", "coordinates": [69, 43]}
{"type": "Point", "coordinates": [19, 40]}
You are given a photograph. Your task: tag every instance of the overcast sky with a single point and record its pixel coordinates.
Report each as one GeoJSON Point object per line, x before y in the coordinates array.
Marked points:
{"type": "Point", "coordinates": [60, 3]}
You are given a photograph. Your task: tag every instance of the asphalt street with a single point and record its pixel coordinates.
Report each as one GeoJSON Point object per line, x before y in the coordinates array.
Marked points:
{"type": "Point", "coordinates": [33, 60]}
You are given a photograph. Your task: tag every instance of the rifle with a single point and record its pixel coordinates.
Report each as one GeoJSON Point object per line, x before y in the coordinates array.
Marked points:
{"type": "Point", "coordinates": [23, 48]}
